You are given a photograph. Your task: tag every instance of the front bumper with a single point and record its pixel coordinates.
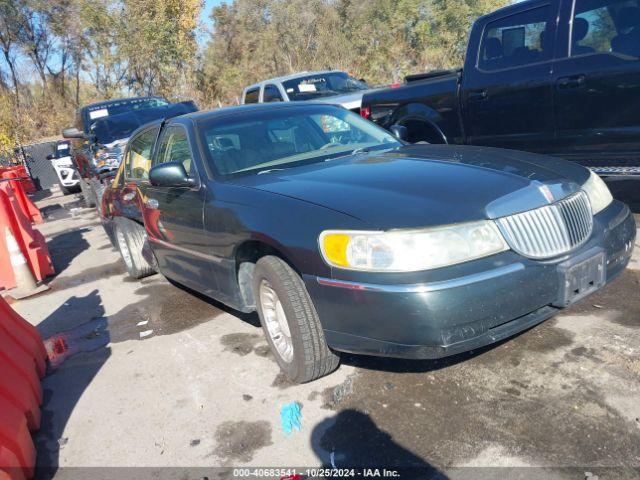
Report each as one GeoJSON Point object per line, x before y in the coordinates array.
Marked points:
{"type": "Point", "coordinates": [459, 308]}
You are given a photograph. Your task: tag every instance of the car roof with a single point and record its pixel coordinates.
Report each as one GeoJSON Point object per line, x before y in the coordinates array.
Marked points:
{"type": "Point", "coordinates": [106, 103]}
{"type": "Point", "coordinates": [292, 77]}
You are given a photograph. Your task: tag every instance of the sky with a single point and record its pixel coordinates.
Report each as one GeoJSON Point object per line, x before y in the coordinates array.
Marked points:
{"type": "Point", "coordinates": [206, 10]}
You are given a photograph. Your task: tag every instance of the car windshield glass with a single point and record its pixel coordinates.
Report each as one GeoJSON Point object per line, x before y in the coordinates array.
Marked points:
{"type": "Point", "coordinates": [118, 127]}
{"type": "Point", "coordinates": [122, 106]}
{"type": "Point", "coordinates": [61, 150]}
{"type": "Point", "coordinates": [322, 85]}
{"type": "Point", "coordinates": [282, 138]}
{"type": "Point", "coordinates": [109, 130]}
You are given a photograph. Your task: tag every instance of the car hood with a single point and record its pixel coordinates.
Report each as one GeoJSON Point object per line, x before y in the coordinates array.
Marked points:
{"type": "Point", "coordinates": [427, 185]}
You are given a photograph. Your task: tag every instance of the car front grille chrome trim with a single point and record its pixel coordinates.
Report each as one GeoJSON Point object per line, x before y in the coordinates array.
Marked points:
{"type": "Point", "coordinates": [551, 230]}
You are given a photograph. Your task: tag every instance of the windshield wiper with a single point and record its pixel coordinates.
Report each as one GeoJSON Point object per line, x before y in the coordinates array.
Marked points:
{"type": "Point", "coordinates": [269, 170]}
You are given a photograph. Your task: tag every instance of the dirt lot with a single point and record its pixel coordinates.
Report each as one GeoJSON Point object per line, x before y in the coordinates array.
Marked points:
{"type": "Point", "coordinates": [158, 377]}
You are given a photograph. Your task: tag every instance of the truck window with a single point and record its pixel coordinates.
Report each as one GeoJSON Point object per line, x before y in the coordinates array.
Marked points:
{"type": "Point", "coordinates": [517, 40]}
{"type": "Point", "coordinates": [603, 26]}
{"type": "Point", "coordinates": [271, 94]}
{"type": "Point", "coordinates": [252, 95]}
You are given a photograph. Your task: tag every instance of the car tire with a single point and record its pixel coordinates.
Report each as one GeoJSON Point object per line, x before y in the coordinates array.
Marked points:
{"type": "Point", "coordinates": [310, 357]}
{"type": "Point", "coordinates": [129, 239]}
{"type": "Point", "coordinates": [65, 190]}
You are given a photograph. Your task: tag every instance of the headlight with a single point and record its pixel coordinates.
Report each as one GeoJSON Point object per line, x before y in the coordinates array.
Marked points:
{"type": "Point", "coordinates": [410, 250]}
{"type": "Point", "coordinates": [598, 193]}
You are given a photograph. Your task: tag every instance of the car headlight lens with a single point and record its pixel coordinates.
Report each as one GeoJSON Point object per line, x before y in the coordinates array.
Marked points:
{"type": "Point", "coordinates": [598, 193]}
{"type": "Point", "coordinates": [410, 250]}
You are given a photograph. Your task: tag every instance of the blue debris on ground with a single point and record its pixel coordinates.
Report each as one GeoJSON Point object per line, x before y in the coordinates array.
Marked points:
{"type": "Point", "coordinates": [290, 416]}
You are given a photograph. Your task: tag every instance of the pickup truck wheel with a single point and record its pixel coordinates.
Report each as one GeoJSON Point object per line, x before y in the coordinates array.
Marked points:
{"type": "Point", "coordinates": [129, 239]}
{"type": "Point", "coordinates": [290, 322]}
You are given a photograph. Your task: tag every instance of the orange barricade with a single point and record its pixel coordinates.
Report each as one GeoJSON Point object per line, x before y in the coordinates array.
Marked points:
{"type": "Point", "coordinates": [32, 243]}
{"type": "Point", "coordinates": [27, 206]}
{"type": "Point", "coordinates": [23, 174]}
{"type": "Point", "coordinates": [22, 363]}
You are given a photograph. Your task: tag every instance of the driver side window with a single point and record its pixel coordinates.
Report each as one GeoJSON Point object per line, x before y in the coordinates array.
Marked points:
{"type": "Point", "coordinates": [174, 147]}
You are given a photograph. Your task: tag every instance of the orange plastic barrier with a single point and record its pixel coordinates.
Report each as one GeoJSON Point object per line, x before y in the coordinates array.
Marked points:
{"type": "Point", "coordinates": [22, 363]}
{"type": "Point", "coordinates": [23, 174]}
{"type": "Point", "coordinates": [28, 207]}
{"type": "Point", "coordinates": [32, 243]}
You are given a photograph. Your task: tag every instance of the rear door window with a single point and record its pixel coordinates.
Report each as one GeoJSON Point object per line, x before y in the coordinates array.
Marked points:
{"type": "Point", "coordinates": [271, 94]}
{"type": "Point", "coordinates": [252, 96]}
{"type": "Point", "coordinates": [517, 40]}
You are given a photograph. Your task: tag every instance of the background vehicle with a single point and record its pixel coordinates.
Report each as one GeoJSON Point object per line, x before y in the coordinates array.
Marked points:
{"type": "Point", "coordinates": [344, 239]}
{"type": "Point", "coordinates": [333, 87]}
{"type": "Point", "coordinates": [569, 88]}
{"type": "Point", "coordinates": [122, 202]}
{"type": "Point", "coordinates": [65, 169]}
{"type": "Point", "coordinates": [102, 130]}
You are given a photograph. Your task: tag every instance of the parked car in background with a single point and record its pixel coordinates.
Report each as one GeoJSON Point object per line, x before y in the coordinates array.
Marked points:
{"type": "Point", "coordinates": [559, 77]}
{"type": "Point", "coordinates": [105, 129]}
{"type": "Point", "coordinates": [66, 171]}
{"type": "Point", "coordinates": [333, 87]}
{"type": "Point", "coordinates": [343, 238]}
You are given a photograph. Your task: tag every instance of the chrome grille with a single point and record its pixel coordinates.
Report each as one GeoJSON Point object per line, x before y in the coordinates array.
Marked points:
{"type": "Point", "coordinates": [551, 230]}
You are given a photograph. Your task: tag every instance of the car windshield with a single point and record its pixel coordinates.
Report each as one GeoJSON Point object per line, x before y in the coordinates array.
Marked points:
{"type": "Point", "coordinates": [322, 85]}
{"type": "Point", "coordinates": [61, 150]}
{"type": "Point", "coordinates": [122, 106]}
{"type": "Point", "coordinates": [117, 127]}
{"type": "Point", "coordinates": [109, 130]}
{"type": "Point", "coordinates": [283, 138]}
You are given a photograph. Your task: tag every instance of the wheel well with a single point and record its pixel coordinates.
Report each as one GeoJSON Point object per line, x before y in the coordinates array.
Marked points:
{"type": "Point", "coordinates": [422, 130]}
{"type": "Point", "coordinates": [247, 255]}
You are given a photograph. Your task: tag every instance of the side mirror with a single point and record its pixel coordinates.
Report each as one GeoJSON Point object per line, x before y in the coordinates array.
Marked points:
{"type": "Point", "coordinates": [400, 132]}
{"type": "Point", "coordinates": [72, 132]}
{"type": "Point", "coordinates": [49, 157]}
{"type": "Point", "coordinates": [170, 174]}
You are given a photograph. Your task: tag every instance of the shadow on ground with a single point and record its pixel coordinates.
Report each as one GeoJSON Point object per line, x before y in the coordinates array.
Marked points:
{"type": "Point", "coordinates": [351, 439]}
{"type": "Point", "coordinates": [81, 323]}
{"type": "Point", "coordinates": [66, 246]}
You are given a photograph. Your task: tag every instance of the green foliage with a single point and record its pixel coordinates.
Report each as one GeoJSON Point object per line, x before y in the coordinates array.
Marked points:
{"type": "Point", "coordinates": [86, 50]}
{"type": "Point", "coordinates": [379, 40]}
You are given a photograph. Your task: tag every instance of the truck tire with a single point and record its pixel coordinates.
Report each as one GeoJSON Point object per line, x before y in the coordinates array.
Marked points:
{"type": "Point", "coordinates": [130, 238]}
{"type": "Point", "coordinates": [290, 322]}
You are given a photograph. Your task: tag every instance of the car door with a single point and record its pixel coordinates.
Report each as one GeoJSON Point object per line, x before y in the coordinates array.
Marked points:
{"type": "Point", "coordinates": [506, 92]}
{"type": "Point", "coordinates": [129, 200]}
{"type": "Point", "coordinates": [174, 216]}
{"type": "Point", "coordinates": [597, 82]}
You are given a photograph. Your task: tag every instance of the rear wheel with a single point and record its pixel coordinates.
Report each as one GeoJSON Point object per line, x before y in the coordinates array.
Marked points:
{"type": "Point", "coordinates": [290, 322]}
{"type": "Point", "coordinates": [130, 238]}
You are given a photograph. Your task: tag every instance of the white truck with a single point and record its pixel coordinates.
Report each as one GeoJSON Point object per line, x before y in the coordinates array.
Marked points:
{"type": "Point", "coordinates": [329, 86]}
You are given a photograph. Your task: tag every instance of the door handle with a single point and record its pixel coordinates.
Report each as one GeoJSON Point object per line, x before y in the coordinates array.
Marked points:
{"type": "Point", "coordinates": [152, 203]}
{"type": "Point", "coordinates": [573, 81]}
{"type": "Point", "coordinates": [478, 96]}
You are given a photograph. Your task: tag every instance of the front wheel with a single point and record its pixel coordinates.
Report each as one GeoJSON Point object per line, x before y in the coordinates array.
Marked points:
{"type": "Point", "coordinates": [290, 322]}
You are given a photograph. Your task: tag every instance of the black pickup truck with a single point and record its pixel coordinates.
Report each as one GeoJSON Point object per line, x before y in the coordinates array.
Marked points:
{"type": "Point", "coordinates": [559, 77]}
